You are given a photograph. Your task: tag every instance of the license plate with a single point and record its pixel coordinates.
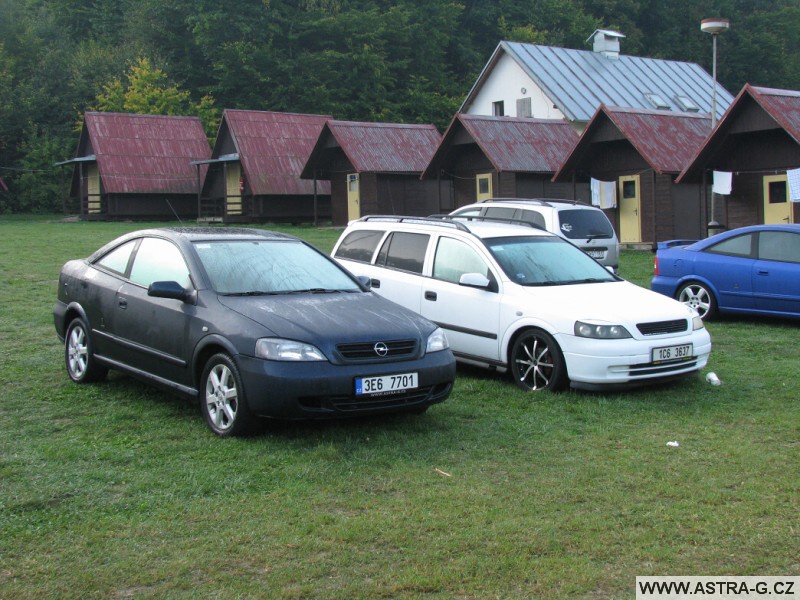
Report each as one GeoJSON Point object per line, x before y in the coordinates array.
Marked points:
{"type": "Point", "coordinates": [596, 253]}
{"type": "Point", "coordinates": [386, 384]}
{"type": "Point", "coordinates": [672, 352]}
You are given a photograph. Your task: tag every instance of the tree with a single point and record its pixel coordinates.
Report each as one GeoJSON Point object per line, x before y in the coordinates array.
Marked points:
{"type": "Point", "coordinates": [147, 90]}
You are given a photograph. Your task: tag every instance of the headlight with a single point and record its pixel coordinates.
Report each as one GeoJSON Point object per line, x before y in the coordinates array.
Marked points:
{"type": "Point", "coordinates": [601, 332]}
{"type": "Point", "coordinates": [437, 341]}
{"type": "Point", "coordinates": [278, 349]}
{"type": "Point", "coordinates": [697, 323]}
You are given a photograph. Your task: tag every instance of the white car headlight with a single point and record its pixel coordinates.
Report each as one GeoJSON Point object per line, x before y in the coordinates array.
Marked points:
{"type": "Point", "coordinates": [289, 350]}
{"type": "Point", "coordinates": [601, 332]}
{"type": "Point", "coordinates": [697, 323]}
{"type": "Point", "coordinates": [437, 341]}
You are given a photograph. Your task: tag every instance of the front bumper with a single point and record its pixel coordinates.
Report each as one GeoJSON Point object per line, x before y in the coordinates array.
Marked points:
{"type": "Point", "coordinates": [309, 390]}
{"type": "Point", "coordinates": [628, 361]}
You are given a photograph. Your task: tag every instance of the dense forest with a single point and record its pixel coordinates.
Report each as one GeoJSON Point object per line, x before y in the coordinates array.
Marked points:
{"type": "Point", "coordinates": [407, 61]}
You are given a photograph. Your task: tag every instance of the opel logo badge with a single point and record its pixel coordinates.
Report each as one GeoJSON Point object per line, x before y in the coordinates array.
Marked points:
{"type": "Point", "coordinates": [381, 349]}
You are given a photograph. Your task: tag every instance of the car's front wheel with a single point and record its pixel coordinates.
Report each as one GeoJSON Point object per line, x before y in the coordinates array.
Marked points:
{"type": "Point", "coordinates": [223, 399]}
{"type": "Point", "coordinates": [536, 362]}
{"type": "Point", "coordinates": [79, 354]}
{"type": "Point", "coordinates": [697, 296]}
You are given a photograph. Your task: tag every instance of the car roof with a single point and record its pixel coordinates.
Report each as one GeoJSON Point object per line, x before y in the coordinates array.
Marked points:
{"type": "Point", "coordinates": [480, 229]}
{"type": "Point", "coordinates": [714, 239]}
{"type": "Point", "coordinates": [196, 234]}
{"type": "Point", "coordinates": [555, 203]}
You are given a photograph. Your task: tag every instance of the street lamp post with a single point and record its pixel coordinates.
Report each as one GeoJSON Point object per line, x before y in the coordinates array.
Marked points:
{"type": "Point", "coordinates": [714, 27]}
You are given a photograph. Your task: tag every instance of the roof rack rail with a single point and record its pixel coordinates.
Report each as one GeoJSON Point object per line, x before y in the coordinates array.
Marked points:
{"type": "Point", "coordinates": [496, 220]}
{"type": "Point", "coordinates": [437, 220]}
{"type": "Point", "coordinates": [540, 201]}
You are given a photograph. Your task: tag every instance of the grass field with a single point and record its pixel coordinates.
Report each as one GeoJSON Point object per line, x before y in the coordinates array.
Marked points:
{"type": "Point", "coordinates": [117, 490]}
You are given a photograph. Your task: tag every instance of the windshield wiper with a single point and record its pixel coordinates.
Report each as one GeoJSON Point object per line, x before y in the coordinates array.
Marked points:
{"type": "Point", "coordinates": [313, 291]}
{"type": "Point", "coordinates": [252, 293]}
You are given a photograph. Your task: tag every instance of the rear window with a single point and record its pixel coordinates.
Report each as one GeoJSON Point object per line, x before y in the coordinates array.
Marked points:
{"type": "Point", "coordinates": [583, 224]}
{"type": "Point", "coordinates": [741, 245]}
{"type": "Point", "coordinates": [404, 251]}
{"type": "Point", "coordinates": [359, 245]}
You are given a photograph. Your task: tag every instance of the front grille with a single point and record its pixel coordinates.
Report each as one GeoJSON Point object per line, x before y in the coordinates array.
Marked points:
{"type": "Point", "coordinates": [365, 351]}
{"type": "Point", "coordinates": [665, 368]}
{"type": "Point", "coordinates": [663, 327]}
{"type": "Point", "coordinates": [366, 404]}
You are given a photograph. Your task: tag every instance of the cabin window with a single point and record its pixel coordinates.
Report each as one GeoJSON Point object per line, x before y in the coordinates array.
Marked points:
{"type": "Point", "coordinates": [524, 108]}
{"type": "Point", "coordinates": [629, 189]}
{"type": "Point", "coordinates": [777, 192]}
{"type": "Point", "coordinates": [498, 108]}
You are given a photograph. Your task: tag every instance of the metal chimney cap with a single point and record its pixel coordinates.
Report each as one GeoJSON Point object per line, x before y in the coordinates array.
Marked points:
{"type": "Point", "coordinates": [714, 26]}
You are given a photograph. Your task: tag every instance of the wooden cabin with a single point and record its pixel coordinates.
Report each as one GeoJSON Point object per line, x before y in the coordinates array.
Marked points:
{"type": "Point", "coordinates": [485, 157]}
{"type": "Point", "coordinates": [758, 141]}
{"type": "Point", "coordinates": [374, 168]}
{"type": "Point", "coordinates": [254, 170]}
{"type": "Point", "coordinates": [642, 152]}
{"type": "Point", "coordinates": [137, 167]}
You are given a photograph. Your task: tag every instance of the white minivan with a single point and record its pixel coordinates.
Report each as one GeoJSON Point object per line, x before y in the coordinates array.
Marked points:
{"type": "Point", "coordinates": [519, 299]}
{"type": "Point", "coordinates": [584, 225]}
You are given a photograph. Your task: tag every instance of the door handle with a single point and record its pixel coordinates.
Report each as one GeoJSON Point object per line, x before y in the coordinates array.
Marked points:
{"type": "Point", "coordinates": [123, 303]}
{"type": "Point", "coordinates": [376, 283]}
{"type": "Point", "coordinates": [762, 271]}
{"type": "Point", "coordinates": [430, 296]}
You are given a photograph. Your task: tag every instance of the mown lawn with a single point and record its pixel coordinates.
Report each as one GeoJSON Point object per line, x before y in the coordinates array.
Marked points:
{"type": "Point", "coordinates": [117, 490]}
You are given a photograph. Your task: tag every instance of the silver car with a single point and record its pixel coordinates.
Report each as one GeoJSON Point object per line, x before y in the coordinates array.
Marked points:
{"type": "Point", "coordinates": [585, 226]}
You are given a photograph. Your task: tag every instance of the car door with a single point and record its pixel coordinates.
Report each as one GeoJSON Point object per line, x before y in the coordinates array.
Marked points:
{"type": "Point", "coordinates": [153, 332]}
{"type": "Point", "coordinates": [776, 273]}
{"type": "Point", "coordinates": [470, 316]}
{"type": "Point", "coordinates": [399, 264]}
{"type": "Point", "coordinates": [729, 266]}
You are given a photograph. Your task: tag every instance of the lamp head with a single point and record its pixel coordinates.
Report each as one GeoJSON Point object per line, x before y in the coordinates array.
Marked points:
{"type": "Point", "coordinates": [714, 26]}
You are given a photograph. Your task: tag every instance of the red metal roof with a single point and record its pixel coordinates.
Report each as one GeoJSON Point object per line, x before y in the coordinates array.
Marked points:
{"type": "Point", "coordinates": [273, 148]}
{"type": "Point", "coordinates": [783, 106]}
{"type": "Point", "coordinates": [511, 144]}
{"type": "Point", "coordinates": [666, 140]}
{"type": "Point", "coordinates": [386, 147]}
{"type": "Point", "coordinates": [140, 154]}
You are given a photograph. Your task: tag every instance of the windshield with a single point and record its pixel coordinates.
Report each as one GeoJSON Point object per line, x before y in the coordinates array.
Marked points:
{"type": "Point", "coordinates": [583, 224]}
{"type": "Point", "coordinates": [270, 267]}
{"type": "Point", "coordinates": [545, 261]}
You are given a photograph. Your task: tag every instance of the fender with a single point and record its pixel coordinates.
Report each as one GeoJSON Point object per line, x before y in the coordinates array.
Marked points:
{"type": "Point", "coordinates": [60, 317]}
{"type": "Point", "coordinates": [528, 322]}
{"type": "Point", "coordinates": [213, 339]}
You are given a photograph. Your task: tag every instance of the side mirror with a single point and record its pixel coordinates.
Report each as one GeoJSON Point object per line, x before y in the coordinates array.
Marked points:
{"type": "Point", "coordinates": [475, 280]}
{"type": "Point", "coordinates": [365, 281]}
{"type": "Point", "coordinates": [172, 290]}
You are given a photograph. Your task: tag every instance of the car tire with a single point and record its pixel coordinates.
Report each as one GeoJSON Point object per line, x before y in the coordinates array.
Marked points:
{"type": "Point", "coordinates": [222, 397]}
{"type": "Point", "coordinates": [536, 362]}
{"type": "Point", "coordinates": [699, 297]}
{"type": "Point", "coordinates": [79, 356]}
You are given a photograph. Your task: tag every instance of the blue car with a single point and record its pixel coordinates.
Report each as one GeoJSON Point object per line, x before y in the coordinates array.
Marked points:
{"type": "Point", "coordinates": [751, 270]}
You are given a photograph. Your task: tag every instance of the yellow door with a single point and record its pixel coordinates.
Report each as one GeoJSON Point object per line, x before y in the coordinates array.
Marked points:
{"type": "Point", "coordinates": [483, 187]}
{"type": "Point", "coordinates": [630, 204]}
{"type": "Point", "coordinates": [233, 190]}
{"type": "Point", "coordinates": [93, 198]}
{"type": "Point", "coordinates": [777, 208]}
{"type": "Point", "coordinates": [353, 198]}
